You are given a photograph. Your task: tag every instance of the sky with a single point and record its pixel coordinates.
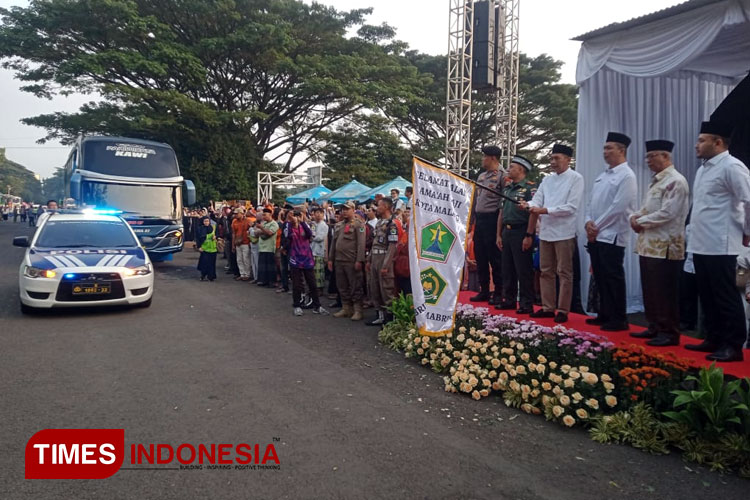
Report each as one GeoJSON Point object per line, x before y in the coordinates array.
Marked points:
{"type": "Point", "coordinates": [546, 27]}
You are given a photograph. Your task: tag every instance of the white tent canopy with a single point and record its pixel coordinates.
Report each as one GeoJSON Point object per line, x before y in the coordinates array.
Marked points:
{"type": "Point", "coordinates": [656, 77]}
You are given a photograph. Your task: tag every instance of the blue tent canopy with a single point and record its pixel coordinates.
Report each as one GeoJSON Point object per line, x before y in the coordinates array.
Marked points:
{"type": "Point", "coordinates": [312, 194]}
{"type": "Point", "coordinates": [385, 189]}
{"type": "Point", "coordinates": [346, 192]}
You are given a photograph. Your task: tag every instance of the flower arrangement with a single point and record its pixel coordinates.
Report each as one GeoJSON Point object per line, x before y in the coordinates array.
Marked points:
{"type": "Point", "coordinates": [649, 377]}
{"type": "Point", "coordinates": [567, 375]}
{"type": "Point", "coordinates": [578, 378]}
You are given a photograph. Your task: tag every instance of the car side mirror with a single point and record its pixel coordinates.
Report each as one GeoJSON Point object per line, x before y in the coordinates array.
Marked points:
{"type": "Point", "coordinates": [21, 241]}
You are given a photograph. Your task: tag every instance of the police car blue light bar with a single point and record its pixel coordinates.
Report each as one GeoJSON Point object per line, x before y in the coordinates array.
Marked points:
{"type": "Point", "coordinates": [101, 211]}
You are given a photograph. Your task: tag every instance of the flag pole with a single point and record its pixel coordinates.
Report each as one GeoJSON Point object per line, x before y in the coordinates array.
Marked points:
{"type": "Point", "coordinates": [486, 188]}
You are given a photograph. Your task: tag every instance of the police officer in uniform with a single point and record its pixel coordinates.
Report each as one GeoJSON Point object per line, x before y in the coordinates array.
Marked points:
{"type": "Point", "coordinates": [487, 226]}
{"type": "Point", "coordinates": [515, 242]}
{"type": "Point", "coordinates": [380, 261]}
{"type": "Point", "coordinates": [347, 256]}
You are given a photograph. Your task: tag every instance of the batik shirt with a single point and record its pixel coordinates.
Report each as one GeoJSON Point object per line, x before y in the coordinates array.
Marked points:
{"type": "Point", "coordinates": [663, 217]}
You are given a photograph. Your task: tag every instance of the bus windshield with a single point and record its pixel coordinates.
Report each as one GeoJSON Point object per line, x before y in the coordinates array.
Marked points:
{"type": "Point", "coordinates": [129, 159]}
{"type": "Point", "coordinates": [149, 201]}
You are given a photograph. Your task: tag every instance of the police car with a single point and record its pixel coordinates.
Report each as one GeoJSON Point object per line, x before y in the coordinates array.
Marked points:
{"type": "Point", "coordinates": [83, 258]}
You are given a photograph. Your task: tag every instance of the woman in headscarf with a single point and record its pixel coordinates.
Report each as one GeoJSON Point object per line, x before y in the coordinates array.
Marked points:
{"type": "Point", "coordinates": [205, 241]}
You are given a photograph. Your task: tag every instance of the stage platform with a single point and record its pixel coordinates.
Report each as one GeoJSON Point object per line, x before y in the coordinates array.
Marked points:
{"type": "Point", "coordinates": [577, 322]}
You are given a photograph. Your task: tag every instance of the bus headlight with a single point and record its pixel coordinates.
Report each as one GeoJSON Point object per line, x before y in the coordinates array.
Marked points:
{"type": "Point", "coordinates": [138, 271]}
{"type": "Point", "coordinates": [35, 272]}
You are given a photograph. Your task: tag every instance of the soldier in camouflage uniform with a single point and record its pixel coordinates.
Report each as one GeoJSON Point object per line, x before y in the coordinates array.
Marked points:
{"type": "Point", "coordinates": [517, 257]}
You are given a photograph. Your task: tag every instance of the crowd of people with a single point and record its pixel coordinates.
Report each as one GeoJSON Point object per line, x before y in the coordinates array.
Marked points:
{"type": "Point", "coordinates": [523, 247]}
{"type": "Point", "coordinates": [354, 254]}
{"type": "Point", "coordinates": [24, 212]}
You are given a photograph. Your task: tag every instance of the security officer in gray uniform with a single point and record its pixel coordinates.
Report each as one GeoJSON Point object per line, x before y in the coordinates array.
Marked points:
{"type": "Point", "coordinates": [380, 261]}
{"type": "Point", "coordinates": [516, 243]}
{"type": "Point", "coordinates": [487, 226]}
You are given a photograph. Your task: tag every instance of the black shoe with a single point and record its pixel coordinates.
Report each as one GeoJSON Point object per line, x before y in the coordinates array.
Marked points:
{"type": "Point", "coordinates": [378, 321]}
{"type": "Point", "coordinates": [495, 300]}
{"type": "Point", "coordinates": [541, 313]}
{"type": "Point", "coordinates": [663, 341]}
{"type": "Point", "coordinates": [505, 306]}
{"type": "Point", "coordinates": [203, 278]}
{"type": "Point", "coordinates": [561, 317]}
{"type": "Point", "coordinates": [726, 354]}
{"type": "Point", "coordinates": [524, 310]}
{"type": "Point", "coordinates": [595, 321]}
{"type": "Point", "coordinates": [480, 297]}
{"type": "Point", "coordinates": [645, 334]}
{"type": "Point", "coordinates": [615, 327]}
{"type": "Point", "coordinates": [705, 346]}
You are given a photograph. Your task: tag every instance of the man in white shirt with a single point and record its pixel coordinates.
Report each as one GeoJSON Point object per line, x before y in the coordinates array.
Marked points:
{"type": "Point", "coordinates": [372, 216]}
{"type": "Point", "coordinates": [719, 228]}
{"type": "Point", "coordinates": [409, 192]}
{"type": "Point", "coordinates": [613, 199]}
{"type": "Point", "coordinates": [556, 202]}
{"type": "Point", "coordinates": [319, 246]}
{"type": "Point", "coordinates": [398, 203]}
{"type": "Point", "coordinates": [660, 224]}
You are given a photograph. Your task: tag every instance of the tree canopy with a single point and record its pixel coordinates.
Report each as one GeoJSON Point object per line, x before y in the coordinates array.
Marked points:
{"type": "Point", "coordinates": [241, 85]}
{"type": "Point", "coordinates": [18, 180]}
{"type": "Point", "coordinates": [226, 82]}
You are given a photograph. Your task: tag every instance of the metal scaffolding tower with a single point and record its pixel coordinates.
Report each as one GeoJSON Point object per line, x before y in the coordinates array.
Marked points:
{"type": "Point", "coordinates": [506, 109]}
{"type": "Point", "coordinates": [458, 102]}
{"type": "Point", "coordinates": [267, 181]}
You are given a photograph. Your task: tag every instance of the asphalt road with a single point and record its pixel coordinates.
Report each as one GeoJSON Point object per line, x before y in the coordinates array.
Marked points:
{"type": "Point", "coordinates": [225, 362]}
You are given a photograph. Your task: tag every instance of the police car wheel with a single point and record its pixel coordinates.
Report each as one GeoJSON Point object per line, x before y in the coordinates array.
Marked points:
{"type": "Point", "coordinates": [27, 309]}
{"type": "Point", "coordinates": [144, 304]}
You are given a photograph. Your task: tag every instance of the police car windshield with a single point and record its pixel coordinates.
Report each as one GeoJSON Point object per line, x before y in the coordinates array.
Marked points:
{"type": "Point", "coordinates": [80, 234]}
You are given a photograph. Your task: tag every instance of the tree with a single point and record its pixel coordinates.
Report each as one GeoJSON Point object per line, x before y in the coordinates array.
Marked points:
{"type": "Point", "coordinates": [547, 109]}
{"type": "Point", "coordinates": [366, 150]}
{"type": "Point", "coordinates": [228, 83]}
{"type": "Point", "coordinates": [53, 187]}
{"type": "Point", "coordinates": [19, 179]}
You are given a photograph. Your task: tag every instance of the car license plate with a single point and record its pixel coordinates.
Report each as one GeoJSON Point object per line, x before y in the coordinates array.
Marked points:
{"type": "Point", "coordinates": [91, 289]}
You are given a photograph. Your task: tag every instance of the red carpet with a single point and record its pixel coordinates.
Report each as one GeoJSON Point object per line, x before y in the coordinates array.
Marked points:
{"type": "Point", "coordinates": [577, 322]}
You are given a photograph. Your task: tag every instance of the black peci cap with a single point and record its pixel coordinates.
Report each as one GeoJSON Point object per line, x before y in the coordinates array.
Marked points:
{"type": "Point", "coordinates": [619, 138]}
{"type": "Point", "coordinates": [659, 145]}
{"type": "Point", "coordinates": [562, 149]}
{"type": "Point", "coordinates": [717, 128]}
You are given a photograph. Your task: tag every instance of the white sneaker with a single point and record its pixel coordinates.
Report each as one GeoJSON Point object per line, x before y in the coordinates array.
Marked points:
{"type": "Point", "coordinates": [298, 311]}
{"type": "Point", "coordinates": [321, 311]}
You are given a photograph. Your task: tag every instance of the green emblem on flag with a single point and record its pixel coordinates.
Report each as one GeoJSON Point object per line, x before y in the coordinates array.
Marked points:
{"type": "Point", "coordinates": [433, 285]}
{"type": "Point", "coordinates": [437, 242]}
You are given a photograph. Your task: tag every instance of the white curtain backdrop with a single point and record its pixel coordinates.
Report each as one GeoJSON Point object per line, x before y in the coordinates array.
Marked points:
{"type": "Point", "coordinates": [683, 41]}
{"type": "Point", "coordinates": [656, 81]}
